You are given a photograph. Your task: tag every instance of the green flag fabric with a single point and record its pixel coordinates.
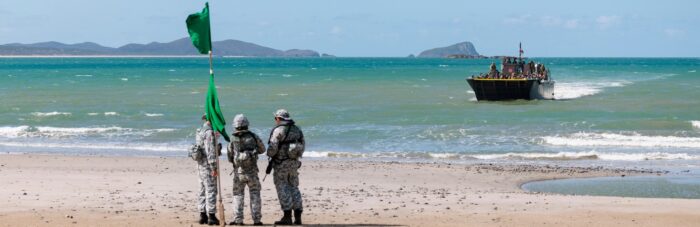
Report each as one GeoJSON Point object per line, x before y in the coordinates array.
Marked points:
{"type": "Point", "coordinates": [199, 29]}
{"type": "Point", "coordinates": [214, 114]}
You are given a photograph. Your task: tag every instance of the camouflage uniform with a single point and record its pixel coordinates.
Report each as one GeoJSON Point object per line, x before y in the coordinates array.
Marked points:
{"type": "Point", "coordinates": [207, 183]}
{"type": "Point", "coordinates": [243, 153]}
{"type": "Point", "coordinates": [286, 175]}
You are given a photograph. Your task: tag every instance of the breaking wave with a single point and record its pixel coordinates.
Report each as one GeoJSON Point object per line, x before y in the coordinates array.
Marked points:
{"type": "Point", "coordinates": [560, 156]}
{"type": "Point", "coordinates": [102, 146]}
{"type": "Point", "coordinates": [50, 114]}
{"type": "Point", "coordinates": [632, 140]}
{"type": "Point", "coordinates": [25, 131]}
{"type": "Point", "coordinates": [154, 114]}
{"type": "Point", "coordinates": [696, 124]}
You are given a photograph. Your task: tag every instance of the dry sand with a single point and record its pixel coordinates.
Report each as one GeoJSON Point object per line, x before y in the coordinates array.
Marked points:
{"type": "Point", "coordinates": [55, 190]}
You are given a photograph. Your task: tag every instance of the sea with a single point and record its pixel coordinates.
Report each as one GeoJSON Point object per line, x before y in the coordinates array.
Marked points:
{"type": "Point", "coordinates": [636, 111]}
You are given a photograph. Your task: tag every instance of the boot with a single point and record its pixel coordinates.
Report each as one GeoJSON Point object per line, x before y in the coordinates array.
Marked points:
{"type": "Point", "coordinates": [236, 223]}
{"type": "Point", "coordinates": [297, 216]}
{"type": "Point", "coordinates": [213, 220]}
{"type": "Point", "coordinates": [286, 219]}
{"type": "Point", "coordinates": [258, 223]}
{"type": "Point", "coordinates": [203, 219]}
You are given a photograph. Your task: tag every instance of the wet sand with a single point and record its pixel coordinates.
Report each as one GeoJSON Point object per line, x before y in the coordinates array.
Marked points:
{"type": "Point", "coordinates": [55, 190]}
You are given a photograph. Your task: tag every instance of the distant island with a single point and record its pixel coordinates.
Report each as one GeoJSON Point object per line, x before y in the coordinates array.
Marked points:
{"type": "Point", "coordinates": [180, 47]}
{"type": "Point", "coordinates": [459, 50]}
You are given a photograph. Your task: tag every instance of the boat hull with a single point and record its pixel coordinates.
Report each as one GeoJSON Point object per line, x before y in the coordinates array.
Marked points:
{"type": "Point", "coordinates": [511, 89]}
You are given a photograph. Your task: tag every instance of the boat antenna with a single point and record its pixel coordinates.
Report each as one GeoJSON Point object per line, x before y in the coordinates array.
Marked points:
{"type": "Point", "coordinates": [521, 52]}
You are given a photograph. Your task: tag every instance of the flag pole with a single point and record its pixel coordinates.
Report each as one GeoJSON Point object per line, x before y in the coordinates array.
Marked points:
{"type": "Point", "coordinates": [220, 201]}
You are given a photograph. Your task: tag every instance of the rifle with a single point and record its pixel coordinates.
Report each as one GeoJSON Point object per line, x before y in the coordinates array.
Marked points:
{"type": "Point", "coordinates": [220, 203]}
{"type": "Point", "coordinates": [268, 170]}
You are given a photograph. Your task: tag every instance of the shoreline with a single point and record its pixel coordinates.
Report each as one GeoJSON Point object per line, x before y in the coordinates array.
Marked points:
{"type": "Point", "coordinates": [47, 189]}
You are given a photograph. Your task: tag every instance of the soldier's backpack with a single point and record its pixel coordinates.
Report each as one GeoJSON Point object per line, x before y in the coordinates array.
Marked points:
{"type": "Point", "coordinates": [296, 147]}
{"type": "Point", "coordinates": [245, 155]}
{"type": "Point", "coordinates": [196, 152]}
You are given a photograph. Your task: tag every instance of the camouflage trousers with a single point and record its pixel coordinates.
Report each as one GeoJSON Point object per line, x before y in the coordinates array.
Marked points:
{"type": "Point", "coordinates": [286, 179]}
{"type": "Point", "coordinates": [240, 181]}
{"type": "Point", "coordinates": [207, 190]}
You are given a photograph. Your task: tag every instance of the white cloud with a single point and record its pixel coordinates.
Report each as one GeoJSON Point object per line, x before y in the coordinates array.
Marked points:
{"type": "Point", "coordinates": [571, 24]}
{"type": "Point", "coordinates": [674, 33]}
{"type": "Point", "coordinates": [550, 21]}
{"type": "Point", "coordinates": [336, 30]}
{"type": "Point", "coordinates": [517, 19]}
{"type": "Point", "coordinates": [605, 22]}
{"type": "Point", "coordinates": [544, 21]}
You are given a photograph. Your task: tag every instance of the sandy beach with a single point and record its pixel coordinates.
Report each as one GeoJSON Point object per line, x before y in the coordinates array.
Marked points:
{"type": "Point", "coordinates": [56, 190]}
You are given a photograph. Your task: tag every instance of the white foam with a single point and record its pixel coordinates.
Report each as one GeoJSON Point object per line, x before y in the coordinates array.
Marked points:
{"type": "Point", "coordinates": [592, 155]}
{"type": "Point", "coordinates": [695, 124]}
{"type": "Point", "coordinates": [111, 113]}
{"type": "Point", "coordinates": [692, 71]}
{"type": "Point", "coordinates": [579, 89]}
{"type": "Point", "coordinates": [333, 154]}
{"type": "Point", "coordinates": [560, 156]}
{"type": "Point", "coordinates": [125, 79]}
{"type": "Point", "coordinates": [282, 94]}
{"type": "Point", "coordinates": [126, 146]}
{"type": "Point", "coordinates": [611, 139]}
{"type": "Point", "coordinates": [86, 75]}
{"type": "Point", "coordinates": [50, 114]}
{"type": "Point", "coordinates": [59, 132]}
{"type": "Point", "coordinates": [154, 114]}
{"type": "Point", "coordinates": [287, 75]}
{"type": "Point", "coordinates": [93, 114]}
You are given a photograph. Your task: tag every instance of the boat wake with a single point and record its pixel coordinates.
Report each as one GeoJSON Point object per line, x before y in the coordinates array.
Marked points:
{"type": "Point", "coordinates": [573, 90]}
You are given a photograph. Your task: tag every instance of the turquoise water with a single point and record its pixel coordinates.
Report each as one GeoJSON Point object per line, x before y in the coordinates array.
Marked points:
{"type": "Point", "coordinates": [687, 187]}
{"type": "Point", "coordinates": [625, 109]}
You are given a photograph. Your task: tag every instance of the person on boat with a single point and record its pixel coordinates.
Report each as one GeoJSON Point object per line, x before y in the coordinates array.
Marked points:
{"type": "Point", "coordinates": [493, 72]}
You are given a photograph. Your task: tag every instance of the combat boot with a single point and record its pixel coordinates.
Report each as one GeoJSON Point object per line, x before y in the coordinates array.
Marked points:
{"type": "Point", "coordinates": [213, 220]}
{"type": "Point", "coordinates": [297, 217]}
{"type": "Point", "coordinates": [203, 219]}
{"type": "Point", "coordinates": [286, 219]}
{"type": "Point", "coordinates": [258, 223]}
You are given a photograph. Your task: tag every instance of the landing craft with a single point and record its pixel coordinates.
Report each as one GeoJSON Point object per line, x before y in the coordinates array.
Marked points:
{"type": "Point", "coordinates": [518, 79]}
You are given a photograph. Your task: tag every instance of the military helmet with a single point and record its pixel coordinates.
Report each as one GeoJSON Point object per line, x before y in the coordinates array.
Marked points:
{"type": "Point", "coordinates": [240, 121]}
{"type": "Point", "coordinates": [282, 113]}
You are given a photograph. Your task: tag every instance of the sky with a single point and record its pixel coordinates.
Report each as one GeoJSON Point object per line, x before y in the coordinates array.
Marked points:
{"type": "Point", "coordinates": [375, 28]}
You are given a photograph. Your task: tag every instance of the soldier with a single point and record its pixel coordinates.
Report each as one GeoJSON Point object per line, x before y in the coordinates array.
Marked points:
{"type": "Point", "coordinates": [285, 147]}
{"type": "Point", "coordinates": [243, 153]}
{"type": "Point", "coordinates": [207, 140]}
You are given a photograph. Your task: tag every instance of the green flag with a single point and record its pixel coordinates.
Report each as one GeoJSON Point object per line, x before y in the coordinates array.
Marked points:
{"type": "Point", "coordinates": [200, 33]}
{"type": "Point", "coordinates": [199, 29]}
{"type": "Point", "coordinates": [214, 114]}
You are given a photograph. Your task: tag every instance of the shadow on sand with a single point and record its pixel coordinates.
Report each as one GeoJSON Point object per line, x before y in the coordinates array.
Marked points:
{"type": "Point", "coordinates": [348, 225]}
